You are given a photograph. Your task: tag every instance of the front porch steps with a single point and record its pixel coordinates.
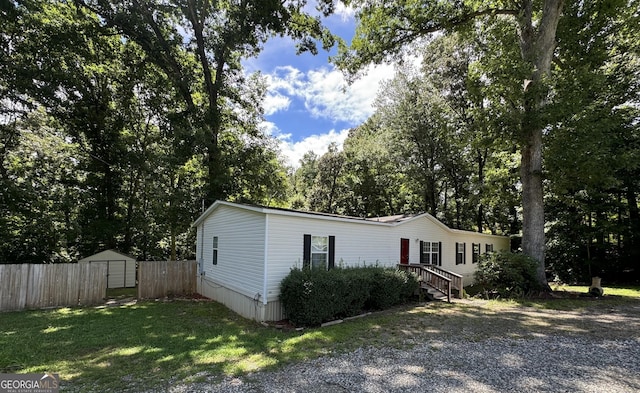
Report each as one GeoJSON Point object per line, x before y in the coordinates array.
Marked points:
{"type": "Point", "coordinates": [433, 294]}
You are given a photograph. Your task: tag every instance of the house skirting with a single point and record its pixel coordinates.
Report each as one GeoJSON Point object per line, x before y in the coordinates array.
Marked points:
{"type": "Point", "coordinates": [240, 303]}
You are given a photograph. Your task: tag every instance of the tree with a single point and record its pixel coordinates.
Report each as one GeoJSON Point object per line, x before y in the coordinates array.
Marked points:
{"type": "Point", "coordinates": [76, 79]}
{"type": "Point", "coordinates": [328, 188]}
{"type": "Point", "coordinates": [135, 111]}
{"type": "Point", "coordinates": [592, 152]}
{"type": "Point", "coordinates": [302, 180]}
{"type": "Point", "coordinates": [373, 172]}
{"type": "Point", "coordinates": [39, 204]}
{"type": "Point", "coordinates": [385, 30]}
{"type": "Point", "coordinates": [199, 44]}
{"type": "Point", "coordinates": [420, 124]}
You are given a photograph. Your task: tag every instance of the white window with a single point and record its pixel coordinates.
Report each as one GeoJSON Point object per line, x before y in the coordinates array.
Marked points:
{"type": "Point", "coordinates": [476, 253]}
{"type": "Point", "coordinates": [431, 252]}
{"type": "Point", "coordinates": [460, 257]}
{"type": "Point", "coordinates": [215, 250]}
{"type": "Point", "coordinates": [319, 252]}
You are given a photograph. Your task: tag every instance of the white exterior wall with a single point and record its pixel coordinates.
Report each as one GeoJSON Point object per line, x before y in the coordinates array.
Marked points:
{"type": "Point", "coordinates": [424, 229]}
{"type": "Point", "coordinates": [357, 243]}
{"type": "Point", "coordinates": [468, 268]}
{"type": "Point", "coordinates": [421, 229]}
{"type": "Point", "coordinates": [258, 247]}
{"type": "Point", "coordinates": [240, 235]}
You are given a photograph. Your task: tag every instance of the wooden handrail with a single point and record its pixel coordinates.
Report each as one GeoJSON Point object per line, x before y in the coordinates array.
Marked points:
{"type": "Point", "coordinates": [456, 279]}
{"type": "Point", "coordinates": [433, 279]}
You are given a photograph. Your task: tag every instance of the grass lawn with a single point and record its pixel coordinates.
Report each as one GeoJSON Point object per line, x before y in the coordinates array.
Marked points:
{"type": "Point", "coordinates": [153, 345]}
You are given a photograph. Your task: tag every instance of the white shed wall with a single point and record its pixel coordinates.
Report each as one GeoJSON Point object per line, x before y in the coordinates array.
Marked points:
{"type": "Point", "coordinates": [357, 243]}
{"type": "Point", "coordinates": [121, 269]}
{"type": "Point", "coordinates": [241, 236]}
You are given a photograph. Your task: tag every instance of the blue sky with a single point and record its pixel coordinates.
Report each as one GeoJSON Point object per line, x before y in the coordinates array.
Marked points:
{"type": "Point", "coordinates": [308, 103]}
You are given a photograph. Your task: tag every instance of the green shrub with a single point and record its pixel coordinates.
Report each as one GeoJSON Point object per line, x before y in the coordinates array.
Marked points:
{"type": "Point", "coordinates": [390, 287]}
{"type": "Point", "coordinates": [507, 274]}
{"type": "Point", "coordinates": [311, 297]}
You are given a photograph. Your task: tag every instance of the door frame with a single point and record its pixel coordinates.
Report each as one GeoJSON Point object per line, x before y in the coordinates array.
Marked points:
{"type": "Point", "coordinates": [404, 251]}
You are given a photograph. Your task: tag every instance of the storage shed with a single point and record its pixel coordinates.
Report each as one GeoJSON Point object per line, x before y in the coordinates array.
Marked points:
{"type": "Point", "coordinates": [244, 251]}
{"type": "Point", "coordinates": [121, 268]}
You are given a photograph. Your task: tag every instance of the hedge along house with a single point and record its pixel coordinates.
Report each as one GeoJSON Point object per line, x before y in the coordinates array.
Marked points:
{"type": "Point", "coordinates": [244, 251]}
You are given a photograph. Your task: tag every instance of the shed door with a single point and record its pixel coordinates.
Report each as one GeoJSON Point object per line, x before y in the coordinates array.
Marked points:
{"type": "Point", "coordinates": [404, 251]}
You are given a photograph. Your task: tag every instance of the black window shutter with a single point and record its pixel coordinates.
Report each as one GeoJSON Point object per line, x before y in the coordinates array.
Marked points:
{"type": "Point", "coordinates": [464, 253]}
{"type": "Point", "coordinates": [456, 254]}
{"type": "Point", "coordinates": [439, 253]}
{"type": "Point", "coordinates": [332, 252]}
{"type": "Point", "coordinates": [306, 253]}
{"type": "Point", "coordinates": [421, 251]}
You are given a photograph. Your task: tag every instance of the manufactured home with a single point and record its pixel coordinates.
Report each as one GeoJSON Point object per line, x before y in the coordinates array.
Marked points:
{"type": "Point", "coordinates": [244, 251]}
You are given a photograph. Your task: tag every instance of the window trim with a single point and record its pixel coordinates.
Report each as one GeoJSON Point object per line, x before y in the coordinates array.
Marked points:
{"type": "Point", "coordinates": [430, 251]}
{"type": "Point", "coordinates": [461, 256]}
{"type": "Point", "coordinates": [307, 251]}
{"type": "Point", "coordinates": [325, 252]}
{"type": "Point", "coordinates": [475, 252]}
{"type": "Point", "coordinates": [214, 256]}
{"type": "Point", "coordinates": [488, 248]}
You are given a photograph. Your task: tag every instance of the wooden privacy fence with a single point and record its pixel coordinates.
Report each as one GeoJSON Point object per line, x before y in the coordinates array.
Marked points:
{"type": "Point", "coordinates": [164, 278]}
{"type": "Point", "coordinates": [29, 286]}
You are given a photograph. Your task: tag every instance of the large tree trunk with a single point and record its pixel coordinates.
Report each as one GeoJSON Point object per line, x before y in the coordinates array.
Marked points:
{"type": "Point", "coordinates": [632, 246]}
{"type": "Point", "coordinates": [533, 241]}
{"type": "Point", "coordinates": [481, 158]}
{"type": "Point", "coordinates": [537, 43]}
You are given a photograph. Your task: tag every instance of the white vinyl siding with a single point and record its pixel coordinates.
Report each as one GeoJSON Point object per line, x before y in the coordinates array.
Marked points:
{"type": "Point", "coordinates": [240, 248]}
{"type": "Point", "coordinates": [357, 244]}
{"type": "Point", "coordinates": [258, 247]}
{"type": "Point", "coordinates": [426, 228]}
{"type": "Point", "coordinates": [422, 229]}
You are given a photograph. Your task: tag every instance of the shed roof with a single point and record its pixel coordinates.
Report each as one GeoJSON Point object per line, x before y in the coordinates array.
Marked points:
{"type": "Point", "coordinates": [107, 255]}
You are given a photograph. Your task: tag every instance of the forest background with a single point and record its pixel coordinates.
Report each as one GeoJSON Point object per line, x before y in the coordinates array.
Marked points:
{"type": "Point", "coordinates": [121, 121]}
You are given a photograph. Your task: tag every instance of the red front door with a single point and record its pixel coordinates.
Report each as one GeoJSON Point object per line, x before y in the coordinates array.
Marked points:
{"type": "Point", "coordinates": [404, 251]}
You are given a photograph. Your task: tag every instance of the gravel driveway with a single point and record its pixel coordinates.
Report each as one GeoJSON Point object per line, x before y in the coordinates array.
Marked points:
{"type": "Point", "coordinates": [595, 351]}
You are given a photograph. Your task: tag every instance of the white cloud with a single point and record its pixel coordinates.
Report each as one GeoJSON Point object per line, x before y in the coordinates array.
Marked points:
{"type": "Point", "coordinates": [319, 144]}
{"type": "Point", "coordinates": [275, 102]}
{"type": "Point", "coordinates": [346, 13]}
{"type": "Point", "coordinates": [326, 93]}
{"type": "Point", "coordinates": [269, 128]}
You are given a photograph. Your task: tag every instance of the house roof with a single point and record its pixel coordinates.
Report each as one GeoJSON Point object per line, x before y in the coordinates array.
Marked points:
{"type": "Point", "coordinates": [310, 214]}
{"type": "Point", "coordinates": [384, 221]}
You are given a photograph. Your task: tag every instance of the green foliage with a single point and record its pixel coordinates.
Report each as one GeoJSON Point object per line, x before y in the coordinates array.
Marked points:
{"type": "Point", "coordinates": [434, 144]}
{"type": "Point", "coordinates": [115, 124]}
{"type": "Point", "coordinates": [313, 296]}
{"type": "Point", "coordinates": [389, 287]}
{"type": "Point", "coordinates": [507, 274]}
